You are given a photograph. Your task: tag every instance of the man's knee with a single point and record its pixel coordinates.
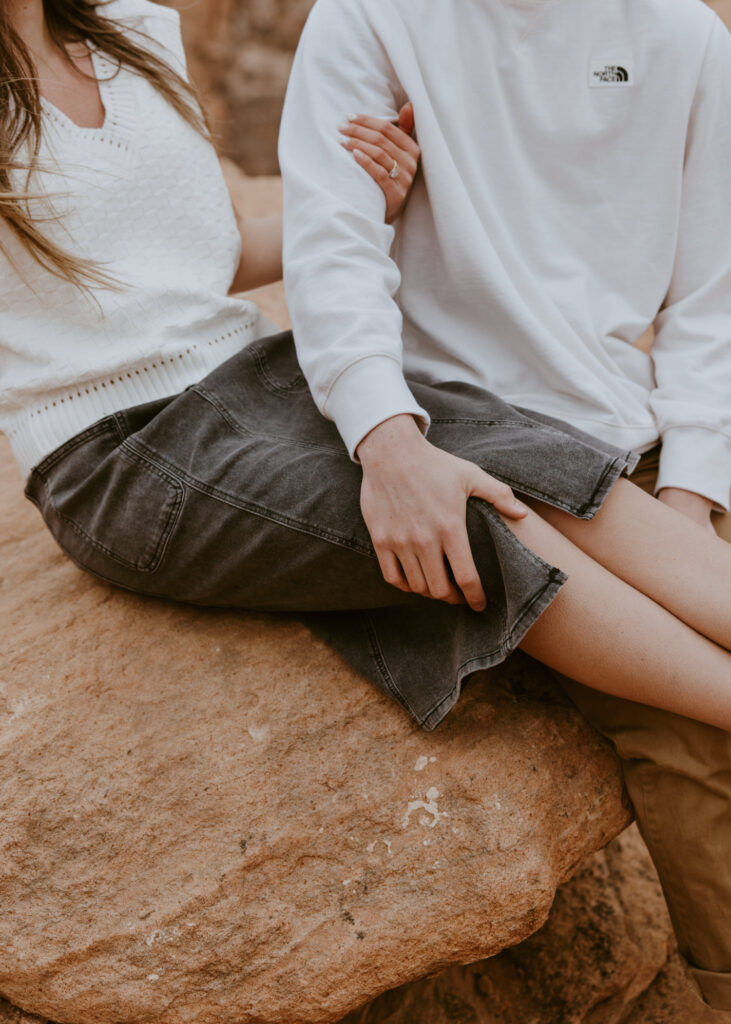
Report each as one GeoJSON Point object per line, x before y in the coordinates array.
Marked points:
{"type": "Point", "coordinates": [641, 733]}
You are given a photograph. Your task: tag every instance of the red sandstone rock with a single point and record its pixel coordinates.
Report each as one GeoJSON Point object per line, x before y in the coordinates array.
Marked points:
{"type": "Point", "coordinates": [605, 956]}
{"type": "Point", "coordinates": [208, 816]}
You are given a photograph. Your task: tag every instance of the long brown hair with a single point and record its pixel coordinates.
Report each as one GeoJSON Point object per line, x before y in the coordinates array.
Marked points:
{"type": "Point", "coordinates": [68, 21]}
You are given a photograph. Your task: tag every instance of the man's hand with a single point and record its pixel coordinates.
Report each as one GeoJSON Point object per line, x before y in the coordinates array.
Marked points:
{"type": "Point", "coordinates": [694, 506]}
{"type": "Point", "coordinates": [414, 499]}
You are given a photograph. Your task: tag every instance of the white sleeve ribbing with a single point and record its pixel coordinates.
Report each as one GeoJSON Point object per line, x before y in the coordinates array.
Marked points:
{"type": "Point", "coordinates": [692, 350]}
{"type": "Point", "coordinates": [338, 273]}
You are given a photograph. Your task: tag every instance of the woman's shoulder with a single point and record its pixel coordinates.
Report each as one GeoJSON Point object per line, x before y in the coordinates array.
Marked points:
{"type": "Point", "coordinates": [157, 22]}
{"type": "Point", "coordinates": [125, 10]}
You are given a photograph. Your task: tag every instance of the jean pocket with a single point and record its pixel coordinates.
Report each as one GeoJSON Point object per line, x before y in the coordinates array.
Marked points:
{"type": "Point", "coordinates": [275, 361]}
{"type": "Point", "coordinates": [110, 497]}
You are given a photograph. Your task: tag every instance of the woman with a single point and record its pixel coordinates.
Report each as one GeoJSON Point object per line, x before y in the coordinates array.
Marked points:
{"type": "Point", "coordinates": [174, 450]}
{"type": "Point", "coordinates": [122, 245]}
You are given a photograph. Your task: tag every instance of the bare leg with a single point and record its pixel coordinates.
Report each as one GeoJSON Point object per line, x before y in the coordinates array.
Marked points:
{"type": "Point", "coordinates": [604, 633]}
{"type": "Point", "coordinates": [658, 551]}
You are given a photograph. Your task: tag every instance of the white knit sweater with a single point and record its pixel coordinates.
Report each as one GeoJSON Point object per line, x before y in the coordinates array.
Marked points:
{"type": "Point", "coordinates": [576, 179]}
{"type": "Point", "coordinates": [145, 197]}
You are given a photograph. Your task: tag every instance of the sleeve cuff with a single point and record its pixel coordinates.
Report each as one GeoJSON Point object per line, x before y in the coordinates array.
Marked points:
{"type": "Point", "coordinates": [367, 393]}
{"type": "Point", "coordinates": [698, 460]}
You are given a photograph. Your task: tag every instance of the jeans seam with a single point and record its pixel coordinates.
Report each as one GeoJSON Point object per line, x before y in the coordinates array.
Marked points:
{"type": "Point", "coordinates": [504, 422]}
{"type": "Point", "coordinates": [248, 506]}
{"type": "Point", "coordinates": [100, 427]}
{"type": "Point", "coordinates": [550, 499]}
{"type": "Point", "coordinates": [245, 431]}
{"type": "Point", "coordinates": [608, 470]}
{"type": "Point", "coordinates": [382, 666]}
{"type": "Point", "coordinates": [263, 370]}
{"type": "Point", "coordinates": [175, 502]}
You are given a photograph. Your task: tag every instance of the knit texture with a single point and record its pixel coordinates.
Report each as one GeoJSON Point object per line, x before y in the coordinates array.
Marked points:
{"type": "Point", "coordinates": [144, 197]}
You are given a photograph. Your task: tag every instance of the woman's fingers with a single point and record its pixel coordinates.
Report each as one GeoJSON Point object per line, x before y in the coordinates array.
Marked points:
{"type": "Point", "coordinates": [388, 137]}
{"type": "Point", "coordinates": [388, 154]}
{"type": "Point", "coordinates": [395, 191]}
{"type": "Point", "coordinates": [377, 155]}
{"type": "Point", "coordinates": [406, 118]}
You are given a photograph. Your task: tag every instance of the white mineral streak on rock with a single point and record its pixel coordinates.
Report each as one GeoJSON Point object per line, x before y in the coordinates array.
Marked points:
{"type": "Point", "coordinates": [189, 781]}
{"type": "Point", "coordinates": [372, 845]}
{"type": "Point", "coordinates": [429, 805]}
{"type": "Point", "coordinates": [421, 763]}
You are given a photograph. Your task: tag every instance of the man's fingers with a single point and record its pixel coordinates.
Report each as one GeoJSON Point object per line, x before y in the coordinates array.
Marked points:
{"type": "Point", "coordinates": [497, 494]}
{"type": "Point", "coordinates": [391, 570]}
{"type": "Point", "coordinates": [437, 578]}
{"type": "Point", "coordinates": [462, 564]}
{"type": "Point", "coordinates": [412, 571]}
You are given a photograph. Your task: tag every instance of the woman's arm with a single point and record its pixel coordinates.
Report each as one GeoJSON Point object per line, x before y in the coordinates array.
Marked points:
{"type": "Point", "coordinates": [383, 149]}
{"type": "Point", "coordinates": [261, 253]}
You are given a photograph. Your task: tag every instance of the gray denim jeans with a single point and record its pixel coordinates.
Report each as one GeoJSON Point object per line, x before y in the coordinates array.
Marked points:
{"type": "Point", "coordinates": [238, 493]}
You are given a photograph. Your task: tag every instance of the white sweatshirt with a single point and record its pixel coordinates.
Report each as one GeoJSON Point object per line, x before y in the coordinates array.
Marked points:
{"type": "Point", "coordinates": [144, 195]}
{"type": "Point", "coordinates": [576, 179]}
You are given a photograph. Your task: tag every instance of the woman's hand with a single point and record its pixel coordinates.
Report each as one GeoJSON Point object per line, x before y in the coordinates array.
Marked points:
{"type": "Point", "coordinates": [387, 152]}
{"type": "Point", "coordinates": [414, 500]}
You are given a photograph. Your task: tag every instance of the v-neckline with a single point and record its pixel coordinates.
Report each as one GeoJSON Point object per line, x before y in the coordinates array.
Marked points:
{"type": "Point", "coordinates": [104, 90]}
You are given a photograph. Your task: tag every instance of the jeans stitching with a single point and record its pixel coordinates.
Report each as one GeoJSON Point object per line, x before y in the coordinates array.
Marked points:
{"type": "Point", "coordinates": [382, 665]}
{"type": "Point", "coordinates": [248, 506]}
{"type": "Point", "coordinates": [296, 385]}
{"type": "Point", "coordinates": [174, 503]}
{"type": "Point", "coordinates": [245, 431]}
{"type": "Point", "coordinates": [100, 427]}
{"type": "Point", "coordinates": [472, 421]}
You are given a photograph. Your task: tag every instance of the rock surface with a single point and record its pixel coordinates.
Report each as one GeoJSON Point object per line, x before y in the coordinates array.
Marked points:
{"type": "Point", "coordinates": [208, 817]}
{"type": "Point", "coordinates": [606, 955]}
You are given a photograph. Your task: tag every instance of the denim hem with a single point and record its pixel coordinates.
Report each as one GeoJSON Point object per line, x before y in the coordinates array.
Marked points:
{"type": "Point", "coordinates": [532, 610]}
{"type": "Point", "coordinates": [625, 463]}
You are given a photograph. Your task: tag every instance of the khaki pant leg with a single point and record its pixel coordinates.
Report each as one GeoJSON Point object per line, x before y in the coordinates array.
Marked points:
{"type": "Point", "coordinates": [678, 775]}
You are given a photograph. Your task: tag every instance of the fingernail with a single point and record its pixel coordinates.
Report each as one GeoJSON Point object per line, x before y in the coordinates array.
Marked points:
{"type": "Point", "coordinates": [358, 152]}
{"type": "Point", "coordinates": [353, 117]}
{"type": "Point", "coordinates": [344, 140]}
{"type": "Point", "coordinates": [520, 507]}
{"type": "Point", "coordinates": [343, 127]}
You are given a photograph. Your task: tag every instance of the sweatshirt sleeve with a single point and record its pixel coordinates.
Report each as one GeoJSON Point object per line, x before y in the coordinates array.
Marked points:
{"type": "Point", "coordinates": [692, 349]}
{"type": "Point", "coordinates": [338, 273]}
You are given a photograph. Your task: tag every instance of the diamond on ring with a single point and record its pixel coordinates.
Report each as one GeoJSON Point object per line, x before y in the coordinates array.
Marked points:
{"type": "Point", "coordinates": [394, 172]}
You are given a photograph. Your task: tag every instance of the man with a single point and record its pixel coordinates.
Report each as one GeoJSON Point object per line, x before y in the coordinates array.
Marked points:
{"type": "Point", "coordinates": [575, 190]}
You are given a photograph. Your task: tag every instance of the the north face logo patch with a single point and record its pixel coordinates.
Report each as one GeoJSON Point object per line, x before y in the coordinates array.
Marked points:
{"type": "Point", "coordinates": [603, 73]}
